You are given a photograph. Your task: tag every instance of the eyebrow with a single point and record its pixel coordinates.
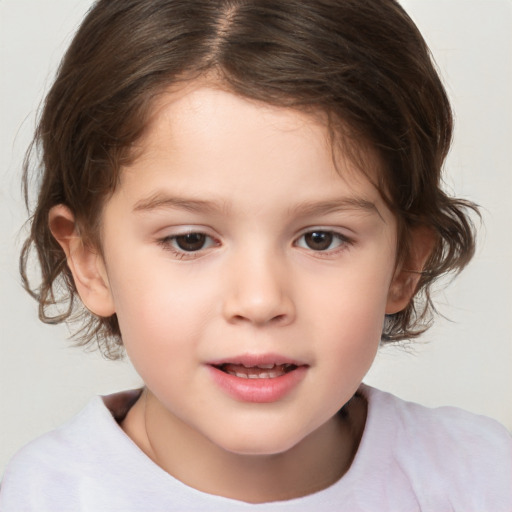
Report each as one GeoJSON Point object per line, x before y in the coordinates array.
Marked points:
{"type": "Point", "coordinates": [335, 205]}
{"type": "Point", "coordinates": [159, 201]}
{"type": "Point", "coordinates": [162, 202]}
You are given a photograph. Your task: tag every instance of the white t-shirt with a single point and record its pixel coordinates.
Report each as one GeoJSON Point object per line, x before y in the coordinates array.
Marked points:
{"type": "Point", "coordinates": [410, 458]}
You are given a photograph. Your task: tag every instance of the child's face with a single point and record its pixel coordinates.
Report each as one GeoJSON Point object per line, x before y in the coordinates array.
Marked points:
{"type": "Point", "coordinates": [233, 239]}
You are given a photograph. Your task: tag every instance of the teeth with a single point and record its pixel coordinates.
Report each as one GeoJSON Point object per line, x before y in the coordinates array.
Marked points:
{"type": "Point", "coordinates": [262, 371]}
{"type": "Point", "coordinates": [262, 366]}
{"type": "Point", "coordinates": [256, 375]}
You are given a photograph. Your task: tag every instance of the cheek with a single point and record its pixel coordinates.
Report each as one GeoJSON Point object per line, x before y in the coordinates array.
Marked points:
{"type": "Point", "coordinates": [160, 308]}
{"type": "Point", "coordinates": [147, 284]}
{"type": "Point", "coordinates": [354, 295]}
{"type": "Point", "coordinates": [348, 314]}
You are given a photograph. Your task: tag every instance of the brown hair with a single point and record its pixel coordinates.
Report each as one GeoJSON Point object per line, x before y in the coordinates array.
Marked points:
{"type": "Point", "coordinates": [362, 62]}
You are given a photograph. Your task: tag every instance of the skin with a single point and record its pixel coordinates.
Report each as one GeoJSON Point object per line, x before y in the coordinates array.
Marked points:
{"type": "Point", "coordinates": [257, 181]}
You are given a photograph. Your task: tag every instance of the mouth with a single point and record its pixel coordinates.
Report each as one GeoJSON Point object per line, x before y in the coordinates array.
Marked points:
{"type": "Point", "coordinates": [260, 371]}
{"type": "Point", "coordinates": [263, 378]}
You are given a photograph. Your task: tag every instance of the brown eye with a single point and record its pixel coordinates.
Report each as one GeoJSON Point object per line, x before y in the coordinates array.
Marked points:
{"type": "Point", "coordinates": [319, 240]}
{"type": "Point", "coordinates": [191, 241]}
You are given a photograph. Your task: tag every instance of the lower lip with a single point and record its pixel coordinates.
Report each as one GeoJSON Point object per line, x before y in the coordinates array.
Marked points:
{"type": "Point", "coordinates": [258, 390]}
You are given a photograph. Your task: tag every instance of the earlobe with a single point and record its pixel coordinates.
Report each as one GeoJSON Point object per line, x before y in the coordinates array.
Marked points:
{"type": "Point", "coordinates": [84, 262]}
{"type": "Point", "coordinates": [405, 281]}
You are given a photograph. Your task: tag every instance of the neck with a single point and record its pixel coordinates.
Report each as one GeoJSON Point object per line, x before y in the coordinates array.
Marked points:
{"type": "Point", "coordinates": [313, 464]}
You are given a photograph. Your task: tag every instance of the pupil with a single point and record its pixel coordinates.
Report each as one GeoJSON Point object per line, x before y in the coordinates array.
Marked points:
{"type": "Point", "coordinates": [319, 240]}
{"type": "Point", "coordinates": [191, 241]}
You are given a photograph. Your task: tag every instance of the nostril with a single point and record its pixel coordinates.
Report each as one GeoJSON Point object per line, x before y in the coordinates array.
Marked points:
{"type": "Point", "coordinates": [253, 306]}
{"type": "Point", "coordinates": [278, 318]}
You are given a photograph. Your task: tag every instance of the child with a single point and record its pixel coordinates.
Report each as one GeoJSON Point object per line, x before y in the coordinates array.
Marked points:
{"type": "Point", "coordinates": [245, 196]}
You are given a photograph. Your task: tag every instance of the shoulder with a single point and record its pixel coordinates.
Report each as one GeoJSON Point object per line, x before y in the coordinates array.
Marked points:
{"type": "Point", "coordinates": [445, 451]}
{"type": "Point", "coordinates": [448, 421]}
{"type": "Point", "coordinates": [54, 466]}
{"type": "Point", "coordinates": [45, 461]}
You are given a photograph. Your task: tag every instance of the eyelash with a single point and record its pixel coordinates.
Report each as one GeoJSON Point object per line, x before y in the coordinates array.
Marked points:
{"type": "Point", "coordinates": [342, 241]}
{"type": "Point", "coordinates": [170, 243]}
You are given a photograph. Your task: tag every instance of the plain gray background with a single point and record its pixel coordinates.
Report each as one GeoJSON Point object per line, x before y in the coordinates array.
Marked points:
{"type": "Point", "coordinates": [466, 361]}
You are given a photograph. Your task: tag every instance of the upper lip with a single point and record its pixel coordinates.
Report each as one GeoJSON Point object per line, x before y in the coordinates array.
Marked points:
{"type": "Point", "coordinates": [253, 360]}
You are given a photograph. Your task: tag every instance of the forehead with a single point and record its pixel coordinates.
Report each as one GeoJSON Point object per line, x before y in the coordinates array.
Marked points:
{"type": "Point", "coordinates": [209, 138]}
{"type": "Point", "coordinates": [202, 111]}
{"type": "Point", "coordinates": [197, 108]}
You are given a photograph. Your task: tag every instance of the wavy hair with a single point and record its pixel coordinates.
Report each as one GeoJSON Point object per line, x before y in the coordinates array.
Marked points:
{"type": "Point", "coordinates": [361, 62]}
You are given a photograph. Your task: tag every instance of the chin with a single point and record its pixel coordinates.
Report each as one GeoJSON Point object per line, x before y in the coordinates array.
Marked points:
{"type": "Point", "coordinates": [258, 443]}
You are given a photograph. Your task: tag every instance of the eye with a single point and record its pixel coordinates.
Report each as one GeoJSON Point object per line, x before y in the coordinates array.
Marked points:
{"type": "Point", "coordinates": [191, 241]}
{"type": "Point", "coordinates": [320, 240]}
{"type": "Point", "coordinates": [187, 242]}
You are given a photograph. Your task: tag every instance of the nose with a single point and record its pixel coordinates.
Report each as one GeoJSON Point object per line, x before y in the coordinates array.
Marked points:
{"type": "Point", "coordinates": [259, 291]}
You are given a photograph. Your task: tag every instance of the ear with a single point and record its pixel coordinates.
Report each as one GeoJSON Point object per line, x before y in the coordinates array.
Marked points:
{"type": "Point", "coordinates": [408, 273]}
{"type": "Point", "coordinates": [84, 262]}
